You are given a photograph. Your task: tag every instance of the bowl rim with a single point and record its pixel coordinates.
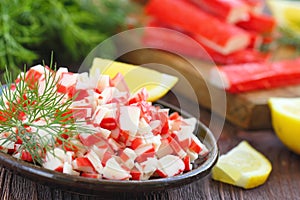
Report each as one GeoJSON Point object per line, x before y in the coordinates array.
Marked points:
{"type": "Point", "coordinates": [93, 186]}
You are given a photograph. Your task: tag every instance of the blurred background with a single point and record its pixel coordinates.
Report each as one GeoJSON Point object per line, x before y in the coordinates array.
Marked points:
{"type": "Point", "coordinates": [31, 29]}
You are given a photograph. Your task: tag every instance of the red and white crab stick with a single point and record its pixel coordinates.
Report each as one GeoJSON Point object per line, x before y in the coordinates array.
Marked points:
{"type": "Point", "coordinates": [255, 76]}
{"type": "Point", "coordinates": [222, 37]}
{"type": "Point", "coordinates": [230, 11]}
{"type": "Point", "coordinates": [176, 42]}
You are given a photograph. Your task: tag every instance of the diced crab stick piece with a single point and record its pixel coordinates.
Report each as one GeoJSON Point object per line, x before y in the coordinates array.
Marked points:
{"type": "Point", "coordinates": [106, 156]}
{"type": "Point", "coordinates": [176, 147]}
{"type": "Point", "coordinates": [51, 162]}
{"type": "Point", "coordinates": [230, 11]}
{"type": "Point", "coordinates": [161, 124]}
{"type": "Point", "coordinates": [104, 133]}
{"type": "Point", "coordinates": [68, 169]}
{"type": "Point", "coordinates": [83, 164]}
{"type": "Point", "coordinates": [7, 144]}
{"type": "Point", "coordinates": [35, 73]}
{"type": "Point", "coordinates": [59, 153]}
{"type": "Point", "coordinates": [26, 156]}
{"type": "Point", "coordinates": [155, 126]}
{"type": "Point", "coordinates": [112, 110]}
{"type": "Point", "coordinates": [143, 152]}
{"type": "Point", "coordinates": [255, 76]}
{"type": "Point", "coordinates": [144, 127]}
{"type": "Point", "coordinates": [145, 108]}
{"type": "Point", "coordinates": [175, 125]}
{"type": "Point", "coordinates": [129, 119]}
{"type": "Point", "coordinates": [155, 140]}
{"type": "Point", "coordinates": [80, 94]}
{"type": "Point", "coordinates": [118, 81]}
{"type": "Point", "coordinates": [183, 137]}
{"type": "Point", "coordinates": [89, 139]}
{"type": "Point", "coordinates": [128, 156]}
{"type": "Point", "coordinates": [95, 160]}
{"type": "Point", "coordinates": [149, 167]}
{"type": "Point", "coordinates": [109, 123]}
{"type": "Point", "coordinates": [76, 146]}
{"type": "Point", "coordinates": [141, 95]}
{"type": "Point", "coordinates": [164, 149]}
{"type": "Point", "coordinates": [170, 165]}
{"type": "Point", "coordinates": [60, 71]}
{"type": "Point", "coordinates": [104, 153]}
{"type": "Point", "coordinates": [260, 23]}
{"type": "Point", "coordinates": [196, 145]}
{"type": "Point", "coordinates": [111, 94]}
{"type": "Point", "coordinates": [82, 111]}
{"type": "Point", "coordinates": [193, 155]}
{"type": "Point", "coordinates": [187, 163]}
{"type": "Point", "coordinates": [113, 170]}
{"type": "Point", "coordinates": [136, 142]}
{"type": "Point", "coordinates": [103, 82]}
{"type": "Point", "coordinates": [204, 151]}
{"type": "Point", "coordinates": [136, 172]}
{"type": "Point", "coordinates": [223, 38]}
{"type": "Point", "coordinates": [69, 157]}
{"type": "Point", "coordinates": [99, 114]}
{"type": "Point", "coordinates": [116, 146]}
{"type": "Point", "coordinates": [67, 83]}
{"type": "Point", "coordinates": [84, 82]}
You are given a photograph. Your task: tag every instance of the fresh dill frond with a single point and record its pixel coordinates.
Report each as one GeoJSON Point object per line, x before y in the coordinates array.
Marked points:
{"type": "Point", "coordinates": [36, 117]}
{"type": "Point", "coordinates": [30, 29]}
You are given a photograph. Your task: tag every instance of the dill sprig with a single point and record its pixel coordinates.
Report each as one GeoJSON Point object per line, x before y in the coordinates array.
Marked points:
{"type": "Point", "coordinates": [30, 29]}
{"type": "Point", "coordinates": [36, 117]}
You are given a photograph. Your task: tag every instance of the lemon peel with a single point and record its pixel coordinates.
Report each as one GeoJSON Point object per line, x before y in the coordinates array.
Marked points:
{"type": "Point", "coordinates": [286, 13]}
{"type": "Point", "coordinates": [157, 84]}
{"type": "Point", "coordinates": [285, 113]}
{"type": "Point", "coordinates": [242, 166]}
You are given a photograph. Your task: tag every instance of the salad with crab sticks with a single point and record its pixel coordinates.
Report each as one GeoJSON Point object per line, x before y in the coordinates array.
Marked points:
{"type": "Point", "coordinates": [93, 127]}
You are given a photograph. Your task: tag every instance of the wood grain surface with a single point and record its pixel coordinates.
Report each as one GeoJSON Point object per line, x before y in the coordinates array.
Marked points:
{"type": "Point", "coordinates": [283, 183]}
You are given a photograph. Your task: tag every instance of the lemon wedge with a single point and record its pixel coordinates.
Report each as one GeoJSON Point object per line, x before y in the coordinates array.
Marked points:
{"type": "Point", "coordinates": [136, 77]}
{"type": "Point", "coordinates": [285, 114]}
{"type": "Point", "coordinates": [286, 12]}
{"type": "Point", "coordinates": [242, 166]}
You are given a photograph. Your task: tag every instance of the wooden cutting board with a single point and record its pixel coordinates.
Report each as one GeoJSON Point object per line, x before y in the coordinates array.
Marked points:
{"type": "Point", "coordinates": [247, 110]}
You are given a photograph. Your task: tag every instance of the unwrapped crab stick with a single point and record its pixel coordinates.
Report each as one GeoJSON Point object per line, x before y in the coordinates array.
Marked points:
{"type": "Point", "coordinates": [255, 76]}
{"type": "Point", "coordinates": [231, 11]}
{"type": "Point", "coordinates": [176, 42]}
{"type": "Point", "coordinates": [260, 23]}
{"type": "Point", "coordinates": [222, 37]}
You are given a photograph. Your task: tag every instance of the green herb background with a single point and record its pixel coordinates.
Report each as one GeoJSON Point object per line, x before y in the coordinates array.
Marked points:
{"type": "Point", "coordinates": [31, 29]}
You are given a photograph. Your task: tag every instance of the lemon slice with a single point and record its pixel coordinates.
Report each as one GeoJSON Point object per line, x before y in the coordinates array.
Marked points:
{"type": "Point", "coordinates": [286, 13]}
{"type": "Point", "coordinates": [242, 166]}
{"type": "Point", "coordinates": [285, 114]}
{"type": "Point", "coordinates": [136, 77]}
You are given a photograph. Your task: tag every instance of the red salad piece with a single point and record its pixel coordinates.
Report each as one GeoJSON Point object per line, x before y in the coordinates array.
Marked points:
{"type": "Point", "coordinates": [255, 76]}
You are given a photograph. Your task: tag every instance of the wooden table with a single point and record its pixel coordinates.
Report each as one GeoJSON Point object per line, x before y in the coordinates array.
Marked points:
{"type": "Point", "coordinates": [283, 183]}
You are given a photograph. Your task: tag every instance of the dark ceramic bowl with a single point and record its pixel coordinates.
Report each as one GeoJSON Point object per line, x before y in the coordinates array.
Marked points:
{"type": "Point", "coordinates": [88, 186]}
